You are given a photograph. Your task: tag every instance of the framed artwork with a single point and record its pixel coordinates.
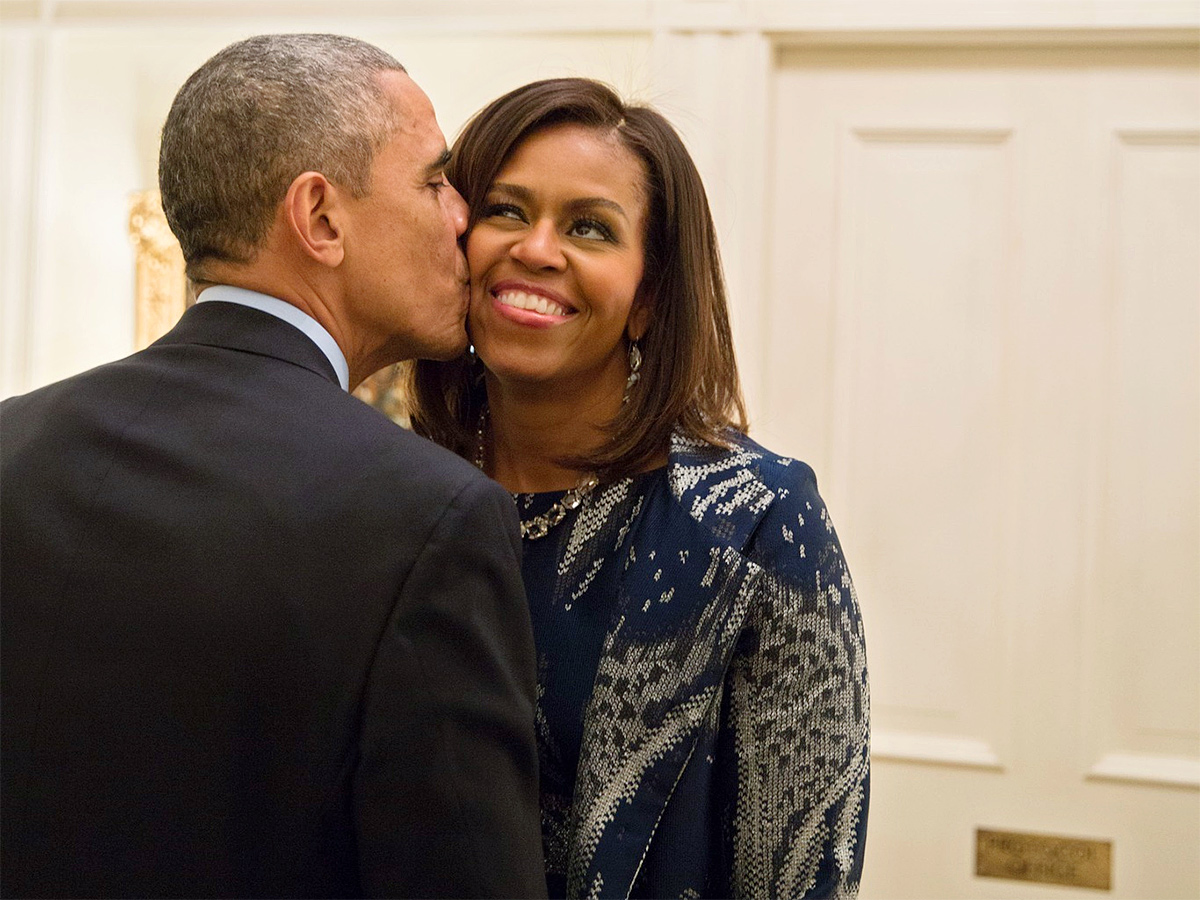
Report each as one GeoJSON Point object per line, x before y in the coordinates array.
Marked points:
{"type": "Point", "coordinates": [162, 294]}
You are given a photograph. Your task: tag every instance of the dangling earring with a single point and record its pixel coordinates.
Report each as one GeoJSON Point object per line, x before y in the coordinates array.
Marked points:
{"type": "Point", "coordinates": [474, 365]}
{"type": "Point", "coordinates": [635, 363]}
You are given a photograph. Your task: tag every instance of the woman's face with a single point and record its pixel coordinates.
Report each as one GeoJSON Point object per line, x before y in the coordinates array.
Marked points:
{"type": "Point", "coordinates": [556, 259]}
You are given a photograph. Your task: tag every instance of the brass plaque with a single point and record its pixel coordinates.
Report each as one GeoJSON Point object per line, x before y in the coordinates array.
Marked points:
{"type": "Point", "coordinates": [1043, 858]}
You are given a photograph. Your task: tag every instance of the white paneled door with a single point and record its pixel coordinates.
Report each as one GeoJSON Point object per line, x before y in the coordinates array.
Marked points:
{"type": "Point", "coordinates": [982, 327]}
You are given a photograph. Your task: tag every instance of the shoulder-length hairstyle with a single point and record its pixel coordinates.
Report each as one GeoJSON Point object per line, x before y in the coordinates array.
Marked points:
{"type": "Point", "coordinates": [689, 379]}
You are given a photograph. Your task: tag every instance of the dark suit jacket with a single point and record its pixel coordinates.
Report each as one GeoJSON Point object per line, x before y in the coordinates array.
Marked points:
{"type": "Point", "coordinates": [256, 639]}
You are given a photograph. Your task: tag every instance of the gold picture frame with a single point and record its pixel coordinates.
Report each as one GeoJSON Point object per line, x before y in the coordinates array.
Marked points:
{"type": "Point", "coordinates": [162, 294]}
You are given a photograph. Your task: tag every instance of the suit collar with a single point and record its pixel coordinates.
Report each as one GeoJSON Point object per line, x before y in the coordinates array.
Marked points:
{"type": "Point", "coordinates": [235, 327]}
{"type": "Point", "coordinates": [289, 313]}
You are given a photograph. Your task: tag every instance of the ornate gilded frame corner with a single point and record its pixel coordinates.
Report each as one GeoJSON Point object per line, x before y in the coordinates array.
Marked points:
{"type": "Point", "coordinates": [161, 292]}
{"type": "Point", "coordinates": [386, 392]}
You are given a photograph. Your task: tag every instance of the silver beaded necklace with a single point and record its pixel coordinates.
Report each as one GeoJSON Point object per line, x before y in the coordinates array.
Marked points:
{"type": "Point", "coordinates": [539, 526]}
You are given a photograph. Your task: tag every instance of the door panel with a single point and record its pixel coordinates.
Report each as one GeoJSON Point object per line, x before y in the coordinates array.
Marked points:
{"type": "Point", "coordinates": [982, 327]}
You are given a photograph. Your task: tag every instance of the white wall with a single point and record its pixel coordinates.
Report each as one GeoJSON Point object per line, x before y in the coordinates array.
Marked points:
{"type": "Point", "coordinates": [86, 84]}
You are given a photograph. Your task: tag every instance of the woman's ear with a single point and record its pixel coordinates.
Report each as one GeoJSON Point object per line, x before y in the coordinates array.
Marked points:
{"type": "Point", "coordinates": [313, 212]}
{"type": "Point", "coordinates": [639, 317]}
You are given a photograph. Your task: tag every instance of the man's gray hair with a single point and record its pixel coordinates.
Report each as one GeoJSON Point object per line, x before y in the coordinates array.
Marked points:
{"type": "Point", "coordinates": [251, 119]}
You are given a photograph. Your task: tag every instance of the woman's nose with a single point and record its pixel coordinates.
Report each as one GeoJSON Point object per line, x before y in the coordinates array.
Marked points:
{"type": "Point", "coordinates": [539, 247]}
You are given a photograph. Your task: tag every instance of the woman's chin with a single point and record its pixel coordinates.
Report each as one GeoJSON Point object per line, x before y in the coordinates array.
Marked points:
{"type": "Point", "coordinates": [525, 377]}
{"type": "Point", "coordinates": [516, 365]}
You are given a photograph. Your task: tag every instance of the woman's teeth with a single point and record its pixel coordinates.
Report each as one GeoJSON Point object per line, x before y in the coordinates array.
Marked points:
{"type": "Point", "coordinates": [533, 303]}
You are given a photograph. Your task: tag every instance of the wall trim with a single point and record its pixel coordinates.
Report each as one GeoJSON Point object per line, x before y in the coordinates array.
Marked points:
{"type": "Point", "coordinates": [1132, 35]}
{"type": "Point", "coordinates": [802, 20]}
{"type": "Point", "coordinates": [1145, 768]}
{"type": "Point", "coordinates": [910, 746]}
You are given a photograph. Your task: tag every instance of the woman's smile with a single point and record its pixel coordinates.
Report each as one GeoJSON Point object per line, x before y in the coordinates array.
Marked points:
{"type": "Point", "coordinates": [530, 304]}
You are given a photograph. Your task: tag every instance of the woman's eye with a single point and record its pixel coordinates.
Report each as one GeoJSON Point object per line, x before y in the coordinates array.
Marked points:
{"type": "Point", "coordinates": [591, 230]}
{"type": "Point", "coordinates": [503, 211]}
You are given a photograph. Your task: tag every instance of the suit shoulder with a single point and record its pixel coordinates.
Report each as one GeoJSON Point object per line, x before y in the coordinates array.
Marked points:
{"type": "Point", "coordinates": [420, 452]}
{"type": "Point", "coordinates": [56, 390]}
{"type": "Point", "coordinates": [395, 451]}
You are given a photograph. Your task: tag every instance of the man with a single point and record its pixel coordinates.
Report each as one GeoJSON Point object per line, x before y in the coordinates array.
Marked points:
{"type": "Point", "coordinates": [257, 640]}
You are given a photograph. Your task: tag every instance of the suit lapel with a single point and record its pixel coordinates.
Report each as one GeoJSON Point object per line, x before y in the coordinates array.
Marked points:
{"type": "Point", "coordinates": [234, 327]}
{"type": "Point", "coordinates": [681, 606]}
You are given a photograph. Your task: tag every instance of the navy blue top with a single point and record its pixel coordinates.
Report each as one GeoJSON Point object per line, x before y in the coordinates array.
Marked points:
{"type": "Point", "coordinates": [698, 628]}
{"type": "Point", "coordinates": [572, 577]}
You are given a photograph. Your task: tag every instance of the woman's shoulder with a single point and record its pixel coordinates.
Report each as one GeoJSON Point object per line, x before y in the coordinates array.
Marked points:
{"type": "Point", "coordinates": [781, 473]}
{"type": "Point", "coordinates": [792, 532]}
{"type": "Point", "coordinates": [695, 464]}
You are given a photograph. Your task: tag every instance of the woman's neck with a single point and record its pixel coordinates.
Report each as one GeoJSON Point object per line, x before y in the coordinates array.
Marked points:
{"type": "Point", "coordinates": [531, 429]}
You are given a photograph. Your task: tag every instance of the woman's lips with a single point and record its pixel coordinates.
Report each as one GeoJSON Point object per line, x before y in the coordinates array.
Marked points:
{"type": "Point", "coordinates": [527, 307]}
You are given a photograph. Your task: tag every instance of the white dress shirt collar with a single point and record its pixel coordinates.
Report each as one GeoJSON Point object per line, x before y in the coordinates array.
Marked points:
{"type": "Point", "coordinates": [281, 309]}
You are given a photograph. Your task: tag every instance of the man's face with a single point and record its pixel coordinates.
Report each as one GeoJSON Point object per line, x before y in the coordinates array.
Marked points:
{"type": "Point", "coordinates": [406, 278]}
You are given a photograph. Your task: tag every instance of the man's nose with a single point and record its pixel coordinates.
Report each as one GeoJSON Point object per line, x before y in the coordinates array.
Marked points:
{"type": "Point", "coordinates": [539, 247]}
{"type": "Point", "coordinates": [458, 210]}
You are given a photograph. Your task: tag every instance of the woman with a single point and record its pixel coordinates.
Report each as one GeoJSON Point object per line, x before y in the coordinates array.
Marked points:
{"type": "Point", "coordinates": [703, 701]}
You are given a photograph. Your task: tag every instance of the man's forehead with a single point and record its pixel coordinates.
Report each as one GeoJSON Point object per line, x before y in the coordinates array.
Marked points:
{"type": "Point", "coordinates": [416, 123]}
{"type": "Point", "coordinates": [407, 97]}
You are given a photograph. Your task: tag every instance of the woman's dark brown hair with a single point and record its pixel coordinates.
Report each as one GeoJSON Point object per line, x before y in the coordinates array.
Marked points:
{"type": "Point", "coordinates": [689, 378]}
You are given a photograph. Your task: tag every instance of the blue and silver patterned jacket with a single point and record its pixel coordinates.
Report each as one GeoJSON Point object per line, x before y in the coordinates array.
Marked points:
{"type": "Point", "coordinates": [725, 745]}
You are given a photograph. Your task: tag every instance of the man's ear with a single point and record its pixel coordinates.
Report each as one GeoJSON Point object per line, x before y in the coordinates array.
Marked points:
{"type": "Point", "coordinates": [313, 211]}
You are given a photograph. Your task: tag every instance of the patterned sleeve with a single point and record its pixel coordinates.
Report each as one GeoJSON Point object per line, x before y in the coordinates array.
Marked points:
{"type": "Point", "coordinates": [799, 709]}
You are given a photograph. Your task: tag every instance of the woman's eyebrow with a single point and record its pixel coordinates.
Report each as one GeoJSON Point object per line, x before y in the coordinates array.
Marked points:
{"type": "Point", "coordinates": [603, 202]}
{"type": "Point", "coordinates": [525, 195]}
{"type": "Point", "coordinates": [516, 191]}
